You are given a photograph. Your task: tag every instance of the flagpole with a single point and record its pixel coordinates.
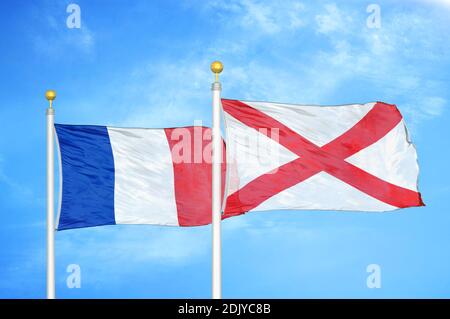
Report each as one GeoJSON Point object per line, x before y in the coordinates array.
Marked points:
{"type": "Point", "coordinates": [50, 95]}
{"type": "Point", "coordinates": [216, 68]}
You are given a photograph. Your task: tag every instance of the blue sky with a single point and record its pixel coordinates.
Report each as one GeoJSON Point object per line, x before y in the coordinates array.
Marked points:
{"type": "Point", "coordinates": [146, 63]}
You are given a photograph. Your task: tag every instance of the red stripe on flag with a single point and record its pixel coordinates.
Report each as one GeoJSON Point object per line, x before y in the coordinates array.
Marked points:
{"type": "Point", "coordinates": [193, 173]}
{"type": "Point", "coordinates": [378, 122]}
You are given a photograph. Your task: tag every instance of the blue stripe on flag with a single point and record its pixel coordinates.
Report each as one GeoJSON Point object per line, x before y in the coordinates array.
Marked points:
{"type": "Point", "coordinates": [87, 176]}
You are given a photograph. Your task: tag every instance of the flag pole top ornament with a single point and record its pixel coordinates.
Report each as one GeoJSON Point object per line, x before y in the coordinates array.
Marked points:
{"type": "Point", "coordinates": [50, 95]}
{"type": "Point", "coordinates": [216, 68]}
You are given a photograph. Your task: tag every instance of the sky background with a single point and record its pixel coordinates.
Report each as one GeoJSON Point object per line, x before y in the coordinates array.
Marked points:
{"type": "Point", "coordinates": [146, 63]}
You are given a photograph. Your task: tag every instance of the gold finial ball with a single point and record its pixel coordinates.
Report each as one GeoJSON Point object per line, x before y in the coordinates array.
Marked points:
{"type": "Point", "coordinates": [216, 67]}
{"type": "Point", "coordinates": [50, 95]}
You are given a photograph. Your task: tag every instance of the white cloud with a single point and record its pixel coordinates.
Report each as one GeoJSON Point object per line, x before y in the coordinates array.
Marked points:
{"type": "Point", "coordinates": [443, 3]}
{"type": "Point", "coordinates": [59, 40]}
{"type": "Point", "coordinates": [156, 90]}
{"type": "Point", "coordinates": [267, 17]}
{"type": "Point", "coordinates": [21, 192]}
{"type": "Point", "coordinates": [424, 108]}
{"type": "Point", "coordinates": [134, 244]}
{"type": "Point", "coordinates": [333, 20]}
{"type": "Point", "coordinates": [54, 38]}
{"type": "Point", "coordinates": [165, 93]}
{"type": "Point", "coordinates": [434, 106]}
{"type": "Point", "coordinates": [389, 58]}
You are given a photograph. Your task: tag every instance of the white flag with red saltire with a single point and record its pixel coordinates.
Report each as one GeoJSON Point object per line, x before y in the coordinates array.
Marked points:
{"type": "Point", "coordinates": [352, 157]}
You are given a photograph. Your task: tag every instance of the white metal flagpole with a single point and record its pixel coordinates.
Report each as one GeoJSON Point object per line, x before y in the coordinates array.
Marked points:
{"type": "Point", "coordinates": [216, 68]}
{"type": "Point", "coordinates": [50, 95]}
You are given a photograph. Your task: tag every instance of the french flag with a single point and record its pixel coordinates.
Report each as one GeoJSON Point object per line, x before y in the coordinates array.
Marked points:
{"type": "Point", "coordinates": [115, 175]}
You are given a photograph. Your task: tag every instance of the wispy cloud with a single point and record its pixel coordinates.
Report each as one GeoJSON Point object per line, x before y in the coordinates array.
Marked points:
{"type": "Point", "coordinates": [53, 37]}
{"type": "Point", "coordinates": [424, 108]}
{"type": "Point", "coordinates": [442, 3]}
{"type": "Point", "coordinates": [387, 59]}
{"type": "Point", "coordinates": [393, 62]}
{"type": "Point", "coordinates": [266, 17]}
{"type": "Point", "coordinates": [381, 58]}
{"type": "Point", "coordinates": [332, 20]}
{"type": "Point", "coordinates": [134, 244]}
{"type": "Point", "coordinates": [167, 93]}
{"type": "Point", "coordinates": [22, 193]}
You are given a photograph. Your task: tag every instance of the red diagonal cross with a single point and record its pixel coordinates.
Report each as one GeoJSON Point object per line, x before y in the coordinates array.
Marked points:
{"type": "Point", "coordinates": [330, 158]}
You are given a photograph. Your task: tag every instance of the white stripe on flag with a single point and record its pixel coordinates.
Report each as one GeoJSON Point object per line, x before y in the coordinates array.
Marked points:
{"type": "Point", "coordinates": [144, 179]}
